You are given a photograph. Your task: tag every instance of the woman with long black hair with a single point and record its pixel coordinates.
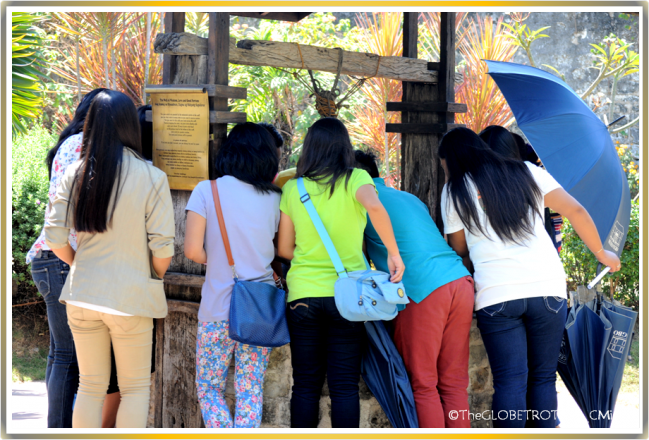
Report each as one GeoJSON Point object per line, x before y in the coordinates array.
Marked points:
{"type": "Point", "coordinates": [322, 341]}
{"type": "Point", "coordinates": [49, 274]}
{"type": "Point", "coordinates": [121, 208]}
{"type": "Point", "coordinates": [491, 206]}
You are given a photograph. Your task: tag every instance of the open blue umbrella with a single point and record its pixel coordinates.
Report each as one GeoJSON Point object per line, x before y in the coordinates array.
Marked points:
{"type": "Point", "coordinates": [573, 144]}
{"type": "Point", "coordinates": [385, 375]}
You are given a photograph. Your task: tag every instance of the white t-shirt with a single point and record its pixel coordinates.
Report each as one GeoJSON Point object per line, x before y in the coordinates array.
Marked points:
{"type": "Point", "coordinates": [251, 219]}
{"type": "Point", "coordinates": [507, 271]}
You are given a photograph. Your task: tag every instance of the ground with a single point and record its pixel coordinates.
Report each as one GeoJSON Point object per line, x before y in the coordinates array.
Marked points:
{"type": "Point", "coordinates": [29, 397]}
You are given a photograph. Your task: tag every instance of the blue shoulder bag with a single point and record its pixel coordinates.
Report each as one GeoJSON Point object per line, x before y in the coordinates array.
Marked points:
{"type": "Point", "coordinates": [362, 295]}
{"type": "Point", "coordinates": [257, 310]}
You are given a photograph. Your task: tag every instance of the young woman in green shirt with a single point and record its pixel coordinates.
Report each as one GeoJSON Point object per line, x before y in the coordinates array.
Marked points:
{"type": "Point", "coordinates": [322, 341]}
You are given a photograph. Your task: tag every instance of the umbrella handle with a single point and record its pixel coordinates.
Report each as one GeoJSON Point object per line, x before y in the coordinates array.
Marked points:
{"type": "Point", "coordinates": [599, 276]}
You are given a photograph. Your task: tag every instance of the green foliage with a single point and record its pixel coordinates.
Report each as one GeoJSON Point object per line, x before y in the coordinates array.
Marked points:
{"type": "Point", "coordinates": [26, 43]}
{"type": "Point", "coordinates": [630, 167]}
{"type": "Point", "coordinates": [276, 95]}
{"type": "Point", "coordinates": [522, 35]}
{"type": "Point", "coordinates": [29, 187]}
{"type": "Point", "coordinates": [581, 265]}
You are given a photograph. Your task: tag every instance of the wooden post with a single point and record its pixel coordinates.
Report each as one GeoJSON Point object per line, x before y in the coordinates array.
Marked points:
{"type": "Point", "coordinates": [410, 37]}
{"type": "Point", "coordinates": [218, 55]}
{"type": "Point", "coordinates": [422, 174]}
{"type": "Point", "coordinates": [174, 22]}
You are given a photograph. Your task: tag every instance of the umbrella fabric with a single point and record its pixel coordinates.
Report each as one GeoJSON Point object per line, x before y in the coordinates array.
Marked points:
{"type": "Point", "coordinates": [385, 375]}
{"type": "Point", "coordinates": [573, 144]}
{"type": "Point", "coordinates": [594, 350]}
{"type": "Point", "coordinates": [623, 320]}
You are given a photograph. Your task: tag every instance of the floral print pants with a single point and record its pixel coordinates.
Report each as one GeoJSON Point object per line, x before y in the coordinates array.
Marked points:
{"type": "Point", "coordinates": [214, 349]}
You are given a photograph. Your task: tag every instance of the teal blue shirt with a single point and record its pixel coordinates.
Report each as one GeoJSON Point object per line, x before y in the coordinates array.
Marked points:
{"type": "Point", "coordinates": [430, 261]}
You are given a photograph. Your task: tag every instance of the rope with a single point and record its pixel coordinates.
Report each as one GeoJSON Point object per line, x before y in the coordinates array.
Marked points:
{"type": "Point", "coordinates": [325, 100]}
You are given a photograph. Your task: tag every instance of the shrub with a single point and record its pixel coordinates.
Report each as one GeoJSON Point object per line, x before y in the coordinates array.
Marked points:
{"type": "Point", "coordinates": [29, 187]}
{"type": "Point", "coordinates": [580, 264]}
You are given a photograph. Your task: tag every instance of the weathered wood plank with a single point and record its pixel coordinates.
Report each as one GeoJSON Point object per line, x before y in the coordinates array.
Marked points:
{"type": "Point", "coordinates": [216, 117]}
{"type": "Point", "coordinates": [173, 22]}
{"type": "Point", "coordinates": [184, 279]}
{"type": "Point", "coordinates": [287, 55]}
{"type": "Point", "coordinates": [453, 107]}
{"type": "Point", "coordinates": [409, 42]}
{"type": "Point", "coordinates": [180, 403]}
{"type": "Point", "coordinates": [283, 16]}
{"type": "Point", "coordinates": [212, 90]}
{"type": "Point", "coordinates": [179, 306]}
{"type": "Point", "coordinates": [157, 397]}
{"type": "Point", "coordinates": [421, 128]}
{"type": "Point", "coordinates": [179, 263]}
{"type": "Point", "coordinates": [217, 73]}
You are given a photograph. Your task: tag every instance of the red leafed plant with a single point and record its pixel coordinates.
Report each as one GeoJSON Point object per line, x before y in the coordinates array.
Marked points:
{"type": "Point", "coordinates": [486, 105]}
{"type": "Point", "coordinates": [382, 35]}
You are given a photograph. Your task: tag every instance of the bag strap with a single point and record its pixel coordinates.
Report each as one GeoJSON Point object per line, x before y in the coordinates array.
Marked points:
{"type": "Point", "coordinates": [224, 234]}
{"type": "Point", "coordinates": [322, 231]}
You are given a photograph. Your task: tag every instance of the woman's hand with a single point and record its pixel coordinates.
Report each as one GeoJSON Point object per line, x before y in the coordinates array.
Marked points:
{"type": "Point", "coordinates": [396, 268]}
{"type": "Point", "coordinates": [609, 259]}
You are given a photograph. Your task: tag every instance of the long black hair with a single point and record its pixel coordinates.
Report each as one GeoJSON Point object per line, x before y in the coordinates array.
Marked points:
{"type": "Point", "coordinates": [501, 141]}
{"type": "Point", "coordinates": [508, 192]}
{"type": "Point", "coordinates": [527, 152]}
{"type": "Point", "coordinates": [111, 125]}
{"type": "Point", "coordinates": [250, 155]}
{"type": "Point", "coordinates": [146, 128]}
{"type": "Point", "coordinates": [74, 127]}
{"type": "Point", "coordinates": [327, 153]}
{"type": "Point", "coordinates": [366, 160]}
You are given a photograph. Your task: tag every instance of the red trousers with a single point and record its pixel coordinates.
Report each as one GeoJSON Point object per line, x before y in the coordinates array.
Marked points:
{"type": "Point", "coordinates": [433, 339]}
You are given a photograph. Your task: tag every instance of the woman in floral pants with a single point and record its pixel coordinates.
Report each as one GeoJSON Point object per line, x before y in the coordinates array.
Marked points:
{"type": "Point", "coordinates": [247, 164]}
{"type": "Point", "coordinates": [214, 350]}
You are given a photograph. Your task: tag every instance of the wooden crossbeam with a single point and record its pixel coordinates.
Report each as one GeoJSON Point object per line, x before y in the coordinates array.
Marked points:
{"type": "Point", "coordinates": [184, 279]}
{"type": "Point", "coordinates": [421, 128]}
{"type": "Point", "coordinates": [216, 117]}
{"type": "Point", "coordinates": [213, 90]}
{"type": "Point", "coordinates": [283, 16]}
{"type": "Point", "coordinates": [426, 106]}
{"type": "Point", "coordinates": [289, 55]}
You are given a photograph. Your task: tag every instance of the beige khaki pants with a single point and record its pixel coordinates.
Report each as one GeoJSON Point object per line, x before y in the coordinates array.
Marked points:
{"type": "Point", "coordinates": [131, 337]}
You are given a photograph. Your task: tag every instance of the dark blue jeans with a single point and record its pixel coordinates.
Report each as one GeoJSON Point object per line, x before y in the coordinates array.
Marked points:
{"type": "Point", "coordinates": [62, 374]}
{"type": "Point", "coordinates": [522, 338]}
{"type": "Point", "coordinates": [323, 343]}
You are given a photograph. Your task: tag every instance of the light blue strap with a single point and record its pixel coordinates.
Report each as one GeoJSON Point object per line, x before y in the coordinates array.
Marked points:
{"type": "Point", "coordinates": [322, 231]}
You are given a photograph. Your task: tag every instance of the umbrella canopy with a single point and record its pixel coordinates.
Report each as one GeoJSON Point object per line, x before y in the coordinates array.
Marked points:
{"type": "Point", "coordinates": [385, 375]}
{"type": "Point", "coordinates": [594, 350]}
{"type": "Point", "coordinates": [573, 144]}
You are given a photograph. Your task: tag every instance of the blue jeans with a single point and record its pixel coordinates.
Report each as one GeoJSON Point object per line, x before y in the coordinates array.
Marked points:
{"type": "Point", "coordinates": [522, 338]}
{"type": "Point", "coordinates": [323, 343]}
{"type": "Point", "coordinates": [62, 374]}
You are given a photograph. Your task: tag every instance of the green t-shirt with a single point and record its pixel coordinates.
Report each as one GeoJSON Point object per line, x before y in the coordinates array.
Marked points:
{"type": "Point", "coordinates": [312, 273]}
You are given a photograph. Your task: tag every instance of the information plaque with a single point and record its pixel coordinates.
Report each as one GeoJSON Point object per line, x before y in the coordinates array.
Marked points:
{"type": "Point", "coordinates": [181, 137]}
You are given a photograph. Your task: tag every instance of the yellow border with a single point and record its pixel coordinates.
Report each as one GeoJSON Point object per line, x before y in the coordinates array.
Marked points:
{"type": "Point", "coordinates": [643, 23]}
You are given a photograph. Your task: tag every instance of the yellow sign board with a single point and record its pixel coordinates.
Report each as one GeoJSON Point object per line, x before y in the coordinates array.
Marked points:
{"type": "Point", "coordinates": [181, 137]}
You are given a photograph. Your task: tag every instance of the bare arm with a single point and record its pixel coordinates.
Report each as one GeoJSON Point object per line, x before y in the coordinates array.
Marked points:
{"type": "Point", "coordinates": [160, 265]}
{"type": "Point", "coordinates": [66, 254]}
{"type": "Point", "coordinates": [560, 201]}
{"type": "Point", "coordinates": [366, 196]}
{"type": "Point", "coordinates": [194, 237]}
{"type": "Point", "coordinates": [286, 237]}
{"type": "Point", "coordinates": [457, 241]}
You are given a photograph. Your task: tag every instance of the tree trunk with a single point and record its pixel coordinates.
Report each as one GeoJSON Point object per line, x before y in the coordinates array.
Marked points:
{"type": "Point", "coordinates": [113, 57]}
{"type": "Point", "coordinates": [148, 53]}
{"type": "Point", "coordinates": [77, 71]}
{"type": "Point", "coordinates": [104, 46]}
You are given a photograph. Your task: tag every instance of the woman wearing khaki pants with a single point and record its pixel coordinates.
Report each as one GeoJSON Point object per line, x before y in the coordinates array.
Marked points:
{"type": "Point", "coordinates": [121, 209]}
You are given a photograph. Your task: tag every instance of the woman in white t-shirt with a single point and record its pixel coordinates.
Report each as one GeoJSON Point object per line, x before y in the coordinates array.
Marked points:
{"type": "Point", "coordinates": [491, 207]}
